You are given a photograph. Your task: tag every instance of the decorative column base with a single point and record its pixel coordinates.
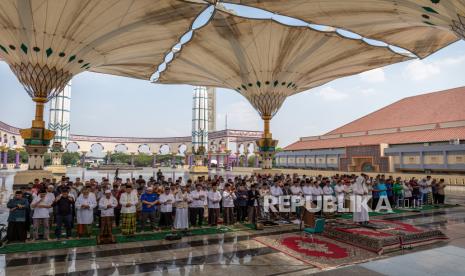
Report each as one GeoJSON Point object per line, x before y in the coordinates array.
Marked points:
{"type": "Point", "coordinates": [57, 167]}
{"type": "Point", "coordinates": [36, 167]}
{"type": "Point", "coordinates": [23, 178]}
{"type": "Point", "coordinates": [199, 168]}
{"type": "Point", "coordinates": [267, 151]}
{"type": "Point", "coordinates": [36, 156]}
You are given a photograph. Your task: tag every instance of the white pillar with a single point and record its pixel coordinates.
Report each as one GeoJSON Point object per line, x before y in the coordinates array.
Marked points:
{"type": "Point", "coordinates": [200, 118]}
{"type": "Point", "coordinates": [59, 121]}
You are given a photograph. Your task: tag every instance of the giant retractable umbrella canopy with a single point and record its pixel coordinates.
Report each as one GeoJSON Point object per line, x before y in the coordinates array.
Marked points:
{"type": "Point", "coordinates": [420, 26]}
{"type": "Point", "coordinates": [47, 42]}
{"type": "Point", "coordinates": [267, 61]}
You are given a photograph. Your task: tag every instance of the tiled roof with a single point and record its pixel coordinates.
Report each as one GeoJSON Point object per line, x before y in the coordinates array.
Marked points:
{"type": "Point", "coordinates": [408, 137]}
{"type": "Point", "coordinates": [433, 117]}
{"type": "Point", "coordinates": [443, 106]}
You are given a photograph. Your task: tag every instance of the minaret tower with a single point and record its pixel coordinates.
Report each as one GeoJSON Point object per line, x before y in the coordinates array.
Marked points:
{"type": "Point", "coordinates": [200, 118]}
{"type": "Point", "coordinates": [59, 115]}
{"type": "Point", "coordinates": [211, 109]}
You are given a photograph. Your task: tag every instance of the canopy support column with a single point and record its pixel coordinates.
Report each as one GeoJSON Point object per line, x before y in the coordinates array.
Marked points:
{"type": "Point", "coordinates": [266, 147]}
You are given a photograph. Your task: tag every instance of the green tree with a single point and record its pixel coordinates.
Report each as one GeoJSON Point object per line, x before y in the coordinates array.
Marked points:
{"type": "Point", "coordinates": [47, 159]}
{"type": "Point", "coordinates": [11, 156]}
{"type": "Point", "coordinates": [121, 157]}
{"type": "Point", "coordinates": [251, 161]}
{"type": "Point", "coordinates": [70, 158]}
{"type": "Point", "coordinates": [143, 160]}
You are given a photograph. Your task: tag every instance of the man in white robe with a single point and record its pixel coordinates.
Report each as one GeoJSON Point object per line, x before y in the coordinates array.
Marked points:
{"type": "Point", "coordinates": [85, 205]}
{"type": "Point", "coordinates": [339, 191]}
{"type": "Point", "coordinates": [360, 190]}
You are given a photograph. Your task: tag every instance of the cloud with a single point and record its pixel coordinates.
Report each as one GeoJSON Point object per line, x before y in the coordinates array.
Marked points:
{"type": "Point", "coordinates": [375, 75]}
{"type": "Point", "coordinates": [330, 94]}
{"type": "Point", "coordinates": [368, 91]}
{"type": "Point", "coordinates": [241, 115]}
{"type": "Point", "coordinates": [419, 70]}
{"type": "Point", "coordinates": [451, 61]}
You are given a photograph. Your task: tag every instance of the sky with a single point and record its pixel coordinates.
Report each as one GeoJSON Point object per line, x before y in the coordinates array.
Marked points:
{"type": "Point", "coordinates": [117, 106]}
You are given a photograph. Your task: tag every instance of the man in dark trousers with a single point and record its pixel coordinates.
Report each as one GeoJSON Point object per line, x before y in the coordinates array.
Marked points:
{"type": "Point", "coordinates": [253, 204]}
{"type": "Point", "coordinates": [17, 218]}
{"type": "Point", "coordinates": [64, 208]}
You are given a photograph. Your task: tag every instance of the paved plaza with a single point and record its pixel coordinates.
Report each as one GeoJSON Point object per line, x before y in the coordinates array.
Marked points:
{"type": "Point", "coordinates": [239, 254]}
{"type": "Point", "coordinates": [148, 176]}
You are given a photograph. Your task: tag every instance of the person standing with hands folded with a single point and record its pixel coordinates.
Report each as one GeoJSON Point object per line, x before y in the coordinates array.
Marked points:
{"type": "Point", "coordinates": [41, 204]}
{"type": "Point", "coordinates": [166, 208]}
{"type": "Point", "coordinates": [128, 203]}
{"type": "Point", "coordinates": [17, 218]}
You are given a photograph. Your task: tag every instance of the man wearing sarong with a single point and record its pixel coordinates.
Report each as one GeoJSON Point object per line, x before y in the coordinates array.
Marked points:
{"type": "Point", "coordinates": [128, 203]}
{"type": "Point", "coordinates": [107, 206]}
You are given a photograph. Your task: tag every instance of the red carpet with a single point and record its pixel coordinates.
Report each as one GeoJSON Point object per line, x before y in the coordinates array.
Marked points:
{"type": "Point", "coordinates": [322, 252]}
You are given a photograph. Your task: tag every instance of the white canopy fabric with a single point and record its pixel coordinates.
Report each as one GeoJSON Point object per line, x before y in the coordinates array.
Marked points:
{"type": "Point", "coordinates": [420, 26]}
{"type": "Point", "coordinates": [61, 38]}
{"type": "Point", "coordinates": [266, 61]}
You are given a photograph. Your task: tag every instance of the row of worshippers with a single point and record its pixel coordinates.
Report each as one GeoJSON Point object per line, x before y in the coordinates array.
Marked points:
{"type": "Point", "coordinates": [178, 206]}
{"type": "Point", "coordinates": [173, 207]}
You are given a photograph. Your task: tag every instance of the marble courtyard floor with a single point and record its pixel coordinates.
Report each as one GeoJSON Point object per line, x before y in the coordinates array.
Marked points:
{"type": "Point", "coordinates": [238, 253]}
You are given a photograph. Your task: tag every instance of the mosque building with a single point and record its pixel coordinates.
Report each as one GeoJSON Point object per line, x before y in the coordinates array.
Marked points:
{"type": "Point", "coordinates": [424, 133]}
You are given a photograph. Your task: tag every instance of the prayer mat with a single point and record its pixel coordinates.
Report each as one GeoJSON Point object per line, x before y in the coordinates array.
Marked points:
{"type": "Point", "coordinates": [410, 235]}
{"type": "Point", "coordinates": [382, 236]}
{"type": "Point", "coordinates": [321, 252]}
{"type": "Point", "coordinates": [366, 238]}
